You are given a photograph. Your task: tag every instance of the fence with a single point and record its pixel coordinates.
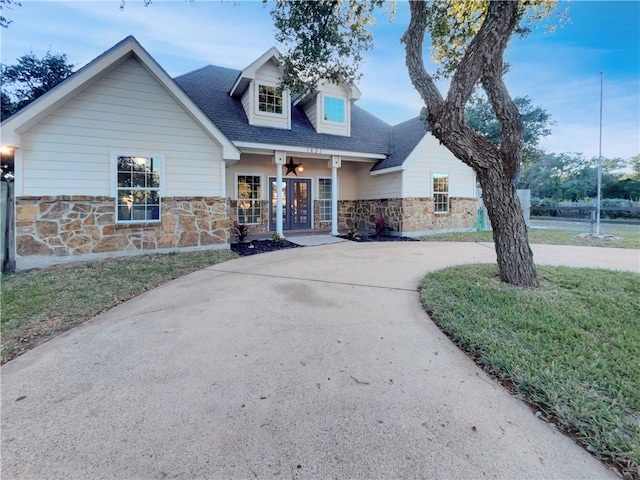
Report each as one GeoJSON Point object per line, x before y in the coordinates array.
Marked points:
{"type": "Point", "coordinates": [484, 224]}
{"type": "Point", "coordinates": [7, 228]}
{"type": "Point", "coordinates": [620, 215]}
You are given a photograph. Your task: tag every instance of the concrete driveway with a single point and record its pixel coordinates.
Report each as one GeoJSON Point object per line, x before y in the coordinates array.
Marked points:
{"type": "Point", "coordinates": [315, 362]}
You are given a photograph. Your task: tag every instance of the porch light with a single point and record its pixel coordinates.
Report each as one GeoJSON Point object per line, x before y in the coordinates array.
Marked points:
{"type": "Point", "coordinates": [6, 150]}
{"type": "Point", "coordinates": [300, 168]}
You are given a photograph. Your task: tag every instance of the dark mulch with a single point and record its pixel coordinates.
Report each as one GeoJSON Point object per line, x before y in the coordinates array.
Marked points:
{"type": "Point", "coordinates": [260, 246]}
{"type": "Point", "coordinates": [379, 238]}
{"type": "Point", "coordinates": [263, 246]}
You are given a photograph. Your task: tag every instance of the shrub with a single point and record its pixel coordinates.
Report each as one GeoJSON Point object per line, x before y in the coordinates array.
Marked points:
{"type": "Point", "coordinates": [381, 225]}
{"type": "Point", "coordinates": [240, 230]}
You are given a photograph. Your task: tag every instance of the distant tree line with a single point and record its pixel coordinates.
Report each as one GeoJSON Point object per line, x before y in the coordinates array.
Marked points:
{"type": "Point", "coordinates": [554, 176]}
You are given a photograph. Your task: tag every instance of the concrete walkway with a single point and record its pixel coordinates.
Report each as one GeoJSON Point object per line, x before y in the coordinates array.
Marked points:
{"type": "Point", "coordinates": [315, 362]}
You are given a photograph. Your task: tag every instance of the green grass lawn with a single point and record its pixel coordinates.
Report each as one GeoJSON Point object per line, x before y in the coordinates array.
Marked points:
{"type": "Point", "coordinates": [619, 239]}
{"type": "Point", "coordinates": [570, 348]}
{"type": "Point", "coordinates": [38, 304]}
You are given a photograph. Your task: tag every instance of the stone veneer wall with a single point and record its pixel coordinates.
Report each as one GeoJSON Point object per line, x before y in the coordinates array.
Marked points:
{"type": "Point", "coordinates": [76, 225]}
{"type": "Point", "coordinates": [346, 216]}
{"type": "Point", "coordinates": [408, 215]}
{"type": "Point", "coordinates": [262, 227]}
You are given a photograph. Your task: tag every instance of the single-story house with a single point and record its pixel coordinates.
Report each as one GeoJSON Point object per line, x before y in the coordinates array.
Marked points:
{"type": "Point", "coordinates": [122, 157]}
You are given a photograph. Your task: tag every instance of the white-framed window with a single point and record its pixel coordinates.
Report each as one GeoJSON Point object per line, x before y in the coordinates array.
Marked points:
{"type": "Point", "coordinates": [441, 192]}
{"type": "Point", "coordinates": [138, 186]}
{"type": "Point", "coordinates": [269, 99]}
{"type": "Point", "coordinates": [249, 194]}
{"type": "Point", "coordinates": [324, 199]}
{"type": "Point", "coordinates": [333, 109]}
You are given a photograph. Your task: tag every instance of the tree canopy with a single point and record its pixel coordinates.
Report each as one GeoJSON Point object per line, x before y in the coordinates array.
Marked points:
{"type": "Point", "coordinates": [6, 4]}
{"type": "Point", "coordinates": [325, 40]}
{"type": "Point", "coordinates": [30, 78]}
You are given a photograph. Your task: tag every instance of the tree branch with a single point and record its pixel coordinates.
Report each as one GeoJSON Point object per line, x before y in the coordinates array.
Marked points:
{"type": "Point", "coordinates": [413, 39]}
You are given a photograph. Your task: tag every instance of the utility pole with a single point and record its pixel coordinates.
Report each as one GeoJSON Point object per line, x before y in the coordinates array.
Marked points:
{"type": "Point", "coordinates": [599, 195]}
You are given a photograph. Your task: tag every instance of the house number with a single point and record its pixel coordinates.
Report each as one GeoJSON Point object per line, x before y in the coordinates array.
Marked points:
{"type": "Point", "coordinates": [314, 150]}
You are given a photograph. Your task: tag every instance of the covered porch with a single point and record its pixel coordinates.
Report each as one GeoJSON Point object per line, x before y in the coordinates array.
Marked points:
{"type": "Point", "coordinates": [294, 190]}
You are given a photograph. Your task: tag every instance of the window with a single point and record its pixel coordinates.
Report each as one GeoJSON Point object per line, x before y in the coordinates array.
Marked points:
{"type": "Point", "coordinates": [249, 194]}
{"type": "Point", "coordinates": [334, 109]}
{"type": "Point", "coordinates": [441, 192]}
{"type": "Point", "coordinates": [324, 199]}
{"type": "Point", "coordinates": [138, 188]}
{"type": "Point", "coordinates": [269, 100]}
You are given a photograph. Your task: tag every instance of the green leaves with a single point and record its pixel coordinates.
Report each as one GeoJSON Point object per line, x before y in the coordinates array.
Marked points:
{"type": "Point", "coordinates": [30, 78]}
{"type": "Point", "coordinates": [325, 40]}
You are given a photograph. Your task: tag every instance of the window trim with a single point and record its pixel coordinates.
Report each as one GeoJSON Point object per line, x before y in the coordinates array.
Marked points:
{"type": "Point", "coordinates": [160, 161]}
{"type": "Point", "coordinates": [434, 193]}
{"type": "Point", "coordinates": [283, 98]}
{"type": "Point", "coordinates": [325, 97]}
{"type": "Point", "coordinates": [260, 199]}
{"type": "Point", "coordinates": [321, 200]}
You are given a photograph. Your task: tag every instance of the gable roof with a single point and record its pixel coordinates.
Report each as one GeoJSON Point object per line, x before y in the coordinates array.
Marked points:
{"type": "Point", "coordinates": [405, 137]}
{"type": "Point", "coordinates": [209, 88]}
{"type": "Point", "coordinates": [249, 73]}
{"type": "Point", "coordinates": [128, 48]}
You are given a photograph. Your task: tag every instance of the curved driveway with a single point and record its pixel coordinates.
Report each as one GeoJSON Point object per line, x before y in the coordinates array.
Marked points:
{"type": "Point", "coordinates": [315, 362]}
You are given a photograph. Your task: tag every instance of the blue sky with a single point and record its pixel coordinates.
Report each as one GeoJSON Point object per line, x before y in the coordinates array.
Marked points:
{"type": "Point", "coordinates": [559, 71]}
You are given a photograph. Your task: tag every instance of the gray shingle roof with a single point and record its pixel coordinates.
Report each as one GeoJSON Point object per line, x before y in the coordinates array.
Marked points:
{"type": "Point", "coordinates": [405, 137]}
{"type": "Point", "coordinates": [209, 88]}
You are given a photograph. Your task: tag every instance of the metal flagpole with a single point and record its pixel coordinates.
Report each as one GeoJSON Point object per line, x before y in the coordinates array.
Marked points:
{"type": "Point", "coordinates": [599, 196]}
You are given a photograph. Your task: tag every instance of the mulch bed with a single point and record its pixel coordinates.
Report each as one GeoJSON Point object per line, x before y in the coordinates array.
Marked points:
{"type": "Point", "coordinates": [263, 246]}
{"type": "Point", "coordinates": [260, 246]}
{"type": "Point", "coordinates": [379, 238]}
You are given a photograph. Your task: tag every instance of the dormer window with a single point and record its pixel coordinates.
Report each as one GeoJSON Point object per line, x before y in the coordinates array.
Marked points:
{"type": "Point", "coordinates": [333, 109]}
{"type": "Point", "coordinates": [269, 100]}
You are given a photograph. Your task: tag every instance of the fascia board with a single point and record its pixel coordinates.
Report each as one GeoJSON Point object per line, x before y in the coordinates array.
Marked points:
{"type": "Point", "coordinates": [311, 151]}
{"type": "Point", "coordinates": [384, 171]}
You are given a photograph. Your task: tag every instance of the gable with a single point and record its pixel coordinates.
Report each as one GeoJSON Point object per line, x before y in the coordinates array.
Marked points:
{"type": "Point", "coordinates": [125, 109]}
{"type": "Point", "coordinates": [264, 104]}
{"type": "Point", "coordinates": [129, 48]}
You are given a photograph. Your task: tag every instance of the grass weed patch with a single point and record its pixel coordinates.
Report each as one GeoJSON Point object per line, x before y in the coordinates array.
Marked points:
{"type": "Point", "coordinates": [622, 239]}
{"type": "Point", "coordinates": [39, 304]}
{"type": "Point", "coordinates": [570, 347]}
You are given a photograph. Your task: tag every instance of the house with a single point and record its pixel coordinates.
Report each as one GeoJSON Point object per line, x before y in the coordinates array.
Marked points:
{"type": "Point", "coordinates": [121, 157]}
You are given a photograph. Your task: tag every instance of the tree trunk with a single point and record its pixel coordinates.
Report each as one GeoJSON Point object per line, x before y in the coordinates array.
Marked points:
{"type": "Point", "coordinates": [496, 166]}
{"type": "Point", "coordinates": [514, 255]}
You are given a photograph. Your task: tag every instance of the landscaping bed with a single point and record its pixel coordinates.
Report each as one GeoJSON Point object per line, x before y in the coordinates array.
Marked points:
{"type": "Point", "coordinates": [378, 238]}
{"type": "Point", "coordinates": [261, 246]}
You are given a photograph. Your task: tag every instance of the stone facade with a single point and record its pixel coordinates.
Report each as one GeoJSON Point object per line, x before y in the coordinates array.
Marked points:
{"type": "Point", "coordinates": [77, 225]}
{"type": "Point", "coordinates": [259, 228]}
{"type": "Point", "coordinates": [416, 215]}
{"type": "Point", "coordinates": [346, 216]}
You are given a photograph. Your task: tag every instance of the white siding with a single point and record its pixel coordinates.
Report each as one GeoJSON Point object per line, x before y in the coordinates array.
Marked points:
{"type": "Point", "coordinates": [267, 74]}
{"type": "Point", "coordinates": [68, 152]}
{"type": "Point", "coordinates": [311, 110]}
{"type": "Point", "coordinates": [372, 187]}
{"type": "Point", "coordinates": [313, 169]}
{"type": "Point", "coordinates": [430, 157]}
{"type": "Point", "coordinates": [322, 126]}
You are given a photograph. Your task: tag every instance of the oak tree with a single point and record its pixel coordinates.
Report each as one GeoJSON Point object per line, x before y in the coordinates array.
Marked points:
{"type": "Point", "coordinates": [326, 38]}
{"type": "Point", "coordinates": [30, 78]}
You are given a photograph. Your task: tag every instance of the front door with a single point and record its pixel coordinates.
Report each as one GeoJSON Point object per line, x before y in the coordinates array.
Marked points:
{"type": "Point", "coordinates": [296, 204]}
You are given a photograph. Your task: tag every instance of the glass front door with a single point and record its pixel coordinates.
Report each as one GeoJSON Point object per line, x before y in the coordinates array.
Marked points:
{"type": "Point", "coordinates": [296, 204]}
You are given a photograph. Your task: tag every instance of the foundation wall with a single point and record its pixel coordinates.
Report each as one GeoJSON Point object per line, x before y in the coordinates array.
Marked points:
{"type": "Point", "coordinates": [77, 225]}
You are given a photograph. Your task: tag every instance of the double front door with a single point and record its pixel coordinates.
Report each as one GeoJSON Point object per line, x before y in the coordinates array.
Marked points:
{"type": "Point", "coordinates": [296, 204]}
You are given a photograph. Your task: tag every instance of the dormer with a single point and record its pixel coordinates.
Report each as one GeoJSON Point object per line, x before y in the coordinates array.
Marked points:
{"type": "Point", "coordinates": [257, 87]}
{"type": "Point", "coordinates": [328, 108]}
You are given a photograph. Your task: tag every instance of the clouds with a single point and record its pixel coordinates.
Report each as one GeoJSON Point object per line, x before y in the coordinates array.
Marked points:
{"type": "Point", "coordinates": [559, 71]}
